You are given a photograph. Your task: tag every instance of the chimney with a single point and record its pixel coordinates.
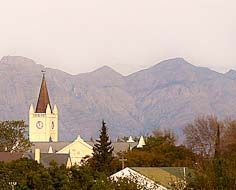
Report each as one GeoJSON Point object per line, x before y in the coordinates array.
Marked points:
{"type": "Point", "coordinates": [37, 155]}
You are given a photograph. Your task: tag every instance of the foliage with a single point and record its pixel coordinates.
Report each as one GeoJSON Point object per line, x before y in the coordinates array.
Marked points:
{"type": "Point", "coordinates": [27, 173]}
{"type": "Point", "coordinates": [81, 177]}
{"type": "Point", "coordinates": [30, 175]}
{"type": "Point", "coordinates": [201, 135]}
{"type": "Point", "coordinates": [215, 170]}
{"type": "Point", "coordinates": [209, 175]}
{"type": "Point", "coordinates": [59, 176]}
{"type": "Point", "coordinates": [12, 137]}
{"type": "Point", "coordinates": [160, 151]}
{"type": "Point", "coordinates": [211, 171]}
{"type": "Point", "coordinates": [102, 152]}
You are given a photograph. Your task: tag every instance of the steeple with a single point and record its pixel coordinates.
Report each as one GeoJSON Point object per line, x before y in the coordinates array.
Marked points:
{"type": "Point", "coordinates": [43, 99]}
{"type": "Point", "coordinates": [43, 121]}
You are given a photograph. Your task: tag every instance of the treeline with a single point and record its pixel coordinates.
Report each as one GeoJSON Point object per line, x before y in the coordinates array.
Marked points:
{"type": "Point", "coordinates": [30, 175]}
{"type": "Point", "coordinates": [209, 151]}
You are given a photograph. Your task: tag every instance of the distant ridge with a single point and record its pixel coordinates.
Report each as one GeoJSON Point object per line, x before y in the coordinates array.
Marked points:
{"type": "Point", "coordinates": [166, 95]}
{"type": "Point", "coordinates": [231, 74]}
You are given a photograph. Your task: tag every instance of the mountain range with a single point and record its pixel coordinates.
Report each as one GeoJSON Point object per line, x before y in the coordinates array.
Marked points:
{"type": "Point", "coordinates": [168, 95]}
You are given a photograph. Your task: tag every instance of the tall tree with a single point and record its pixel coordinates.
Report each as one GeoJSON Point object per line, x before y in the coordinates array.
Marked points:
{"type": "Point", "coordinates": [12, 136]}
{"type": "Point", "coordinates": [201, 135]}
{"type": "Point", "coordinates": [229, 137]}
{"type": "Point", "coordinates": [217, 170]}
{"type": "Point", "coordinates": [102, 151]}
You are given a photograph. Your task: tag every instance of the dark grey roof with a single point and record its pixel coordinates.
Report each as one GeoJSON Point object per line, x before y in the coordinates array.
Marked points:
{"type": "Point", "coordinates": [56, 146]}
{"type": "Point", "coordinates": [47, 158]}
{"type": "Point", "coordinates": [44, 146]}
{"type": "Point", "coordinates": [119, 146]}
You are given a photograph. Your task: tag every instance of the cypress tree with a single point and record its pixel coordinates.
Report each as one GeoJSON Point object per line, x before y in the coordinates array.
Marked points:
{"type": "Point", "coordinates": [102, 151]}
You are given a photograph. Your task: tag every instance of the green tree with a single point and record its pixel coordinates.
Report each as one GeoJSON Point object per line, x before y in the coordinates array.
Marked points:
{"type": "Point", "coordinates": [59, 176]}
{"type": "Point", "coordinates": [12, 136]}
{"type": "Point", "coordinates": [160, 151]}
{"type": "Point", "coordinates": [102, 152]}
{"type": "Point", "coordinates": [27, 173]}
{"type": "Point", "coordinates": [81, 177]}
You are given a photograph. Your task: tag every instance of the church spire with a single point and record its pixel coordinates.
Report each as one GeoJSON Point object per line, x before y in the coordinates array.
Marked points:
{"type": "Point", "coordinates": [43, 99]}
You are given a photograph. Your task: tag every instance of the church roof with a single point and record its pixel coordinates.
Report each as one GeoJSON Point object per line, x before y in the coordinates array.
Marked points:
{"type": "Point", "coordinates": [57, 146]}
{"type": "Point", "coordinates": [43, 99]}
{"type": "Point", "coordinates": [44, 146]}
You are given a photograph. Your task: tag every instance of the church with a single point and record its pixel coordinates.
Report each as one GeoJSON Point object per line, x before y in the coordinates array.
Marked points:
{"type": "Point", "coordinates": [44, 131]}
{"type": "Point", "coordinates": [43, 120]}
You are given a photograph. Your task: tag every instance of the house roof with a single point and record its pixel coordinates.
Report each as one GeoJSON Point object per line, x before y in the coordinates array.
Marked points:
{"type": "Point", "coordinates": [43, 99]}
{"type": "Point", "coordinates": [44, 146]}
{"type": "Point", "coordinates": [57, 146]}
{"type": "Point", "coordinates": [8, 156]}
{"type": "Point", "coordinates": [119, 146]}
{"type": "Point", "coordinates": [162, 175]}
{"type": "Point", "coordinates": [47, 158]}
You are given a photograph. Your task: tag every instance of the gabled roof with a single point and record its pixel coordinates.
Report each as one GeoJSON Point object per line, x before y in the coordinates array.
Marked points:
{"type": "Point", "coordinates": [138, 178]}
{"type": "Point", "coordinates": [154, 177]}
{"type": "Point", "coordinates": [77, 140]}
{"type": "Point", "coordinates": [8, 156]}
{"type": "Point", "coordinates": [43, 99]}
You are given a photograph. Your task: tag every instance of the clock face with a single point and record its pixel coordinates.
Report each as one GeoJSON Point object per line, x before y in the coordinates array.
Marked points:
{"type": "Point", "coordinates": [39, 124]}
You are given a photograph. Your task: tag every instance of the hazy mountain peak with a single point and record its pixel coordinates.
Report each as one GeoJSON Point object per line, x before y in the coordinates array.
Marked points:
{"type": "Point", "coordinates": [176, 60]}
{"type": "Point", "coordinates": [231, 71]}
{"type": "Point", "coordinates": [106, 70]}
{"type": "Point", "coordinates": [103, 76]}
{"type": "Point", "coordinates": [173, 63]}
{"type": "Point", "coordinates": [231, 74]}
{"type": "Point", "coordinates": [16, 60]}
{"type": "Point", "coordinates": [19, 64]}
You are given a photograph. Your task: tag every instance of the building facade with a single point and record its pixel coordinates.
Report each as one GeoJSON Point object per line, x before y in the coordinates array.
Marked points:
{"type": "Point", "coordinates": [43, 120]}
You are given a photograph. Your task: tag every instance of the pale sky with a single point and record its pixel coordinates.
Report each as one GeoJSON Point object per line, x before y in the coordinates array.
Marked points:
{"type": "Point", "coordinates": [81, 35]}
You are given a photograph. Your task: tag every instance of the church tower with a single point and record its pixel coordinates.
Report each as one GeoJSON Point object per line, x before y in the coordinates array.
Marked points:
{"type": "Point", "coordinates": [43, 121]}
